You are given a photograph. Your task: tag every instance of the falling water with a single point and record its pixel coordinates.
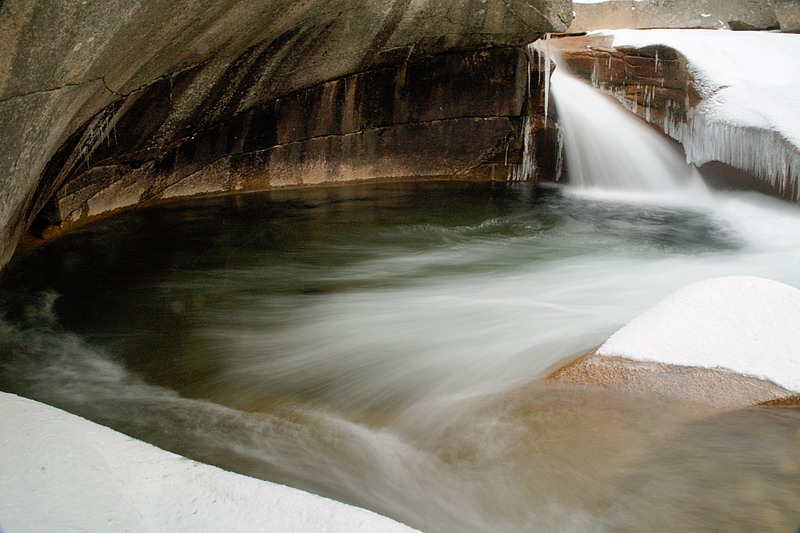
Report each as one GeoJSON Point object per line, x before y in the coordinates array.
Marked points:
{"type": "Point", "coordinates": [607, 147]}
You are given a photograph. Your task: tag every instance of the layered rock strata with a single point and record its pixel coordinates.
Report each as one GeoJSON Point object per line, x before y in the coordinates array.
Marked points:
{"type": "Point", "coordinates": [116, 95]}
{"type": "Point", "coordinates": [457, 114]}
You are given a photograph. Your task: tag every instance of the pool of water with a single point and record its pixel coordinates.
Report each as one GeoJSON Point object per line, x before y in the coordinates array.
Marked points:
{"type": "Point", "coordinates": [383, 344]}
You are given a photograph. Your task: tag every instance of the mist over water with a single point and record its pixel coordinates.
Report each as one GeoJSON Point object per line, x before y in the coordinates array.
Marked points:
{"type": "Point", "coordinates": [381, 345]}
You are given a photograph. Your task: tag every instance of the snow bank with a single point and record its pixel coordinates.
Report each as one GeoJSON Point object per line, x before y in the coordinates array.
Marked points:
{"type": "Point", "coordinates": [63, 473]}
{"type": "Point", "coordinates": [747, 325]}
{"type": "Point", "coordinates": [750, 113]}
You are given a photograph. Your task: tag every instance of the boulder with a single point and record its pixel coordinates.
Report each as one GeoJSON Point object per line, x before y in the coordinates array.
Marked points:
{"type": "Point", "coordinates": [725, 342]}
{"type": "Point", "coordinates": [788, 13]}
{"type": "Point", "coordinates": [62, 472]}
{"type": "Point", "coordinates": [712, 387]}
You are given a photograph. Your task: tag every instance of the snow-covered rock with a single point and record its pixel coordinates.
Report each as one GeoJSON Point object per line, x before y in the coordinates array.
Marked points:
{"type": "Point", "coordinates": [749, 114]}
{"type": "Point", "coordinates": [746, 325]}
{"type": "Point", "coordinates": [60, 472]}
{"type": "Point", "coordinates": [725, 96]}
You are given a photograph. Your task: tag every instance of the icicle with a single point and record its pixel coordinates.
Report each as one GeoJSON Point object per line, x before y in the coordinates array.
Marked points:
{"type": "Point", "coordinates": [607, 148]}
{"type": "Point", "coordinates": [547, 67]}
{"type": "Point", "coordinates": [527, 169]}
{"type": "Point", "coordinates": [763, 153]}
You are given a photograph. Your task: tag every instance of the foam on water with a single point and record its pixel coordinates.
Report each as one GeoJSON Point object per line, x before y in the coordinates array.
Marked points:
{"type": "Point", "coordinates": [508, 458]}
{"type": "Point", "coordinates": [382, 346]}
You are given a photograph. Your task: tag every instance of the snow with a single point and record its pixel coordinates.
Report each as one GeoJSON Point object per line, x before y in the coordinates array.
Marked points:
{"type": "Point", "coordinates": [749, 116]}
{"type": "Point", "coordinates": [63, 473]}
{"type": "Point", "coordinates": [747, 325]}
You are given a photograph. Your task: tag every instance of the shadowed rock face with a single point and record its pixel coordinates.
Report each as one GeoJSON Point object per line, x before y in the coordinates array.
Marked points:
{"type": "Point", "coordinates": [132, 98]}
{"type": "Point", "coordinates": [455, 114]}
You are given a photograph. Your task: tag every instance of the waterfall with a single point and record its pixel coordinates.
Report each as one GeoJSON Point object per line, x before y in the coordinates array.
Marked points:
{"type": "Point", "coordinates": [607, 147]}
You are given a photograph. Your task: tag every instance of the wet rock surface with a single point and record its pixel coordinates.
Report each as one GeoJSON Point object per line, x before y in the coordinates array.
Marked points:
{"type": "Point", "coordinates": [720, 488]}
{"type": "Point", "coordinates": [652, 81]}
{"type": "Point", "coordinates": [454, 115]}
{"type": "Point", "coordinates": [715, 388]}
{"type": "Point", "coordinates": [69, 71]}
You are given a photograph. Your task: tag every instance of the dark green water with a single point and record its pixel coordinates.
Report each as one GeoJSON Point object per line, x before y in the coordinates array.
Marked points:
{"type": "Point", "coordinates": [381, 345]}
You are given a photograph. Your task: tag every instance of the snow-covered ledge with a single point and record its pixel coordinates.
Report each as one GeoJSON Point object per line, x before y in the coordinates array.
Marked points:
{"type": "Point", "coordinates": [749, 115]}
{"type": "Point", "coordinates": [61, 472]}
{"type": "Point", "coordinates": [744, 324]}
{"type": "Point", "coordinates": [731, 96]}
{"type": "Point", "coordinates": [724, 342]}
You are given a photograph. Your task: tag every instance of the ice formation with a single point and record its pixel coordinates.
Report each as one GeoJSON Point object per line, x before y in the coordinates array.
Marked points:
{"type": "Point", "coordinates": [608, 148]}
{"type": "Point", "coordinates": [528, 169]}
{"type": "Point", "coordinates": [749, 115]}
{"type": "Point", "coordinates": [605, 147]}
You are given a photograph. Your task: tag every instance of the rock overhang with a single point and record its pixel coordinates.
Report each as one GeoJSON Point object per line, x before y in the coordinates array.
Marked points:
{"type": "Point", "coordinates": [65, 66]}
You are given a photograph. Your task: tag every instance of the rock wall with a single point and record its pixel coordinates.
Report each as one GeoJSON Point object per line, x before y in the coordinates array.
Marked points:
{"type": "Point", "coordinates": [653, 81]}
{"type": "Point", "coordinates": [711, 14]}
{"type": "Point", "coordinates": [454, 115]}
{"type": "Point", "coordinates": [134, 97]}
{"type": "Point", "coordinates": [788, 13]}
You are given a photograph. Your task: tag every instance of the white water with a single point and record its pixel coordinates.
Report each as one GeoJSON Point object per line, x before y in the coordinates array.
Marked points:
{"type": "Point", "coordinates": [747, 116]}
{"type": "Point", "coordinates": [606, 147]}
{"type": "Point", "coordinates": [407, 390]}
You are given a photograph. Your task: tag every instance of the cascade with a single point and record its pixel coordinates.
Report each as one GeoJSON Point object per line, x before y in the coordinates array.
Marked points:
{"type": "Point", "coordinates": [607, 147]}
{"type": "Point", "coordinates": [743, 117]}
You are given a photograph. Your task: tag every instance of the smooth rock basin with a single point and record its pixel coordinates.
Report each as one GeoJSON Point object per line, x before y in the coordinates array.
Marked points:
{"type": "Point", "coordinates": [384, 345]}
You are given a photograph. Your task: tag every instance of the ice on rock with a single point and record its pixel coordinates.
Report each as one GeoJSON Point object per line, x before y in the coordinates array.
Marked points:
{"type": "Point", "coordinates": [749, 116]}
{"type": "Point", "coordinates": [528, 169]}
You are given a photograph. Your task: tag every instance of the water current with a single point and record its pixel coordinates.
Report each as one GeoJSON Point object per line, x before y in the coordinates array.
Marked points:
{"type": "Point", "coordinates": [383, 345]}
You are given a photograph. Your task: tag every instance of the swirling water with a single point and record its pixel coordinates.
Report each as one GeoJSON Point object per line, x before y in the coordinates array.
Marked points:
{"type": "Point", "coordinates": [382, 345]}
